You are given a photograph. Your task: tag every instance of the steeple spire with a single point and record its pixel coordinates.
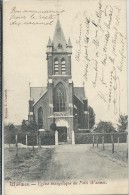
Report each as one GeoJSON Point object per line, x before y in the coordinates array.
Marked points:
{"type": "Point", "coordinates": [59, 41]}
{"type": "Point", "coordinates": [69, 43]}
{"type": "Point", "coordinates": [58, 16]}
{"type": "Point", "coordinates": [85, 98]}
{"type": "Point", "coordinates": [49, 43]}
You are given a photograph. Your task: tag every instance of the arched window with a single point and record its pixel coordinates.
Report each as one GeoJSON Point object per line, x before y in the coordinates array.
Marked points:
{"type": "Point", "coordinates": [56, 66]}
{"type": "Point", "coordinates": [63, 66]}
{"type": "Point", "coordinates": [59, 98]}
{"type": "Point", "coordinates": [40, 118]}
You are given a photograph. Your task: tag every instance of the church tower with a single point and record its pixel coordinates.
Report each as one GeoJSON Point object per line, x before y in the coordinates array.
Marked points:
{"type": "Point", "coordinates": [59, 101]}
{"type": "Point", "coordinates": [60, 85]}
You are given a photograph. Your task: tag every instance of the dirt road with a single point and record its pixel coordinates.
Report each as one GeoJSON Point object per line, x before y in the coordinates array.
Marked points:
{"type": "Point", "coordinates": [83, 162]}
{"type": "Point", "coordinates": [64, 162]}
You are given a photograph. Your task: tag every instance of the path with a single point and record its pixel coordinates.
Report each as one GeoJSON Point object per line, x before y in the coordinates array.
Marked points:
{"type": "Point", "coordinates": [64, 162]}
{"type": "Point", "coordinates": [80, 162]}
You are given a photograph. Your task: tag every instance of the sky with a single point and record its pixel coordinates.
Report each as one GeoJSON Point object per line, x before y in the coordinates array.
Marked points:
{"type": "Point", "coordinates": [104, 65]}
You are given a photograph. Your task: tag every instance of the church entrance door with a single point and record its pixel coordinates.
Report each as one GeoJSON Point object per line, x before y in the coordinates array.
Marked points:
{"type": "Point", "coordinates": [62, 134]}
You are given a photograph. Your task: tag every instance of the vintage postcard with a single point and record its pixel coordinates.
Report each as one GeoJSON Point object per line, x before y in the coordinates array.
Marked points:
{"type": "Point", "coordinates": [65, 97]}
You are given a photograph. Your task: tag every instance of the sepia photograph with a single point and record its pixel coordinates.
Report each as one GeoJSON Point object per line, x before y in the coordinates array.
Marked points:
{"type": "Point", "coordinates": [65, 97]}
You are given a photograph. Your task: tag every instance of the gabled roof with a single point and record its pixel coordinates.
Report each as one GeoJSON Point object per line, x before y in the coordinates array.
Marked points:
{"type": "Point", "coordinates": [36, 93]}
{"type": "Point", "coordinates": [79, 93]}
{"type": "Point", "coordinates": [40, 97]}
{"type": "Point", "coordinates": [59, 38]}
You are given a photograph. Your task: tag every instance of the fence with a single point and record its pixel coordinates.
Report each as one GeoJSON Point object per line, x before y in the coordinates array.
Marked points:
{"type": "Point", "coordinates": [102, 138]}
{"type": "Point", "coordinates": [115, 143]}
{"type": "Point", "coordinates": [48, 138]}
{"type": "Point", "coordinates": [45, 138]}
{"type": "Point", "coordinates": [89, 138]}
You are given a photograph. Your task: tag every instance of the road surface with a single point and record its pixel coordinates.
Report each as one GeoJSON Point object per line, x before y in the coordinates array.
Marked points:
{"type": "Point", "coordinates": [64, 162]}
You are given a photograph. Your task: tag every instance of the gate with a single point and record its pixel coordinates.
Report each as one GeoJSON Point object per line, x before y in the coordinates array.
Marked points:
{"type": "Point", "coordinates": [62, 134]}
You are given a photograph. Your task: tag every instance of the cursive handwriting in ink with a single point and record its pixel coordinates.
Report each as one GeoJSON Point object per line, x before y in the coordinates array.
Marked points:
{"type": "Point", "coordinates": [102, 96]}
{"type": "Point", "coordinates": [96, 74]}
{"type": "Point", "coordinates": [32, 17]}
{"type": "Point", "coordinates": [78, 42]}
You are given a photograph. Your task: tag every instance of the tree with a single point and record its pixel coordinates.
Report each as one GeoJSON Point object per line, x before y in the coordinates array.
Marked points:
{"type": "Point", "coordinates": [123, 123]}
{"type": "Point", "coordinates": [105, 127]}
{"type": "Point", "coordinates": [24, 126]}
{"type": "Point", "coordinates": [91, 117]}
{"type": "Point", "coordinates": [33, 127]}
{"type": "Point", "coordinates": [11, 127]}
{"type": "Point", "coordinates": [9, 133]}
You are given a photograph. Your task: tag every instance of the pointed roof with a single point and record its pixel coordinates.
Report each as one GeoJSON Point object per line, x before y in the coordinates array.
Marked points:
{"type": "Point", "coordinates": [49, 43]}
{"type": "Point", "coordinates": [69, 43]}
{"type": "Point", "coordinates": [79, 92]}
{"type": "Point", "coordinates": [59, 41]}
{"type": "Point", "coordinates": [36, 93]}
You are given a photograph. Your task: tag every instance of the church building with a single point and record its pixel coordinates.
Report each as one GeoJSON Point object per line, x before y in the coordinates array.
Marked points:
{"type": "Point", "coordinates": [60, 100]}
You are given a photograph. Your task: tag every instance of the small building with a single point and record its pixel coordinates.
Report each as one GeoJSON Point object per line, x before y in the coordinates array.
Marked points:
{"type": "Point", "coordinates": [60, 100]}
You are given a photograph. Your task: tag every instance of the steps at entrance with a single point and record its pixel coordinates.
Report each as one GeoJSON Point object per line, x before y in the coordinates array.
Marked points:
{"type": "Point", "coordinates": [64, 143]}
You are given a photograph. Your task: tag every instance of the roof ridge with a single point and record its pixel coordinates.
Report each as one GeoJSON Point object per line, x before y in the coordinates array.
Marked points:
{"type": "Point", "coordinates": [40, 97]}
